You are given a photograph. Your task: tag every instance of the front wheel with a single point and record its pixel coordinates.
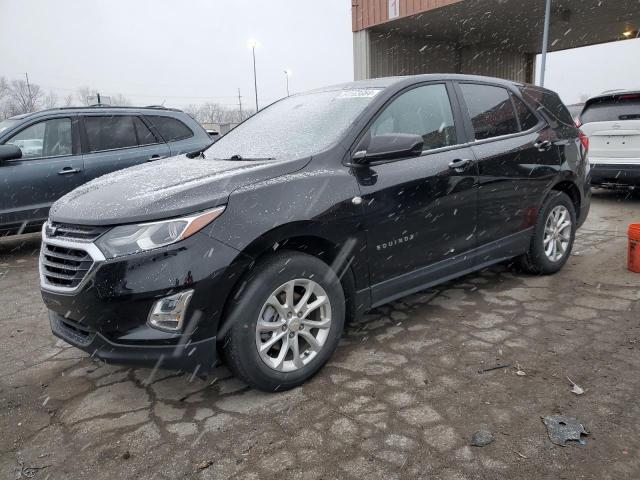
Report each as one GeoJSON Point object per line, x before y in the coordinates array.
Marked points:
{"type": "Point", "coordinates": [553, 236]}
{"type": "Point", "coordinates": [286, 322]}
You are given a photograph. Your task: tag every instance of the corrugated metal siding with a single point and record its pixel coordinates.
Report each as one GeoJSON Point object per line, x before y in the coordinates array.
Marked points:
{"type": "Point", "coordinates": [361, 57]}
{"type": "Point", "coordinates": [367, 13]}
{"type": "Point", "coordinates": [396, 54]}
{"type": "Point", "coordinates": [378, 54]}
{"type": "Point", "coordinates": [495, 62]}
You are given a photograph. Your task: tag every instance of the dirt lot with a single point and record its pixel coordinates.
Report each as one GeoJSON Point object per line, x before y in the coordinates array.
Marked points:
{"type": "Point", "coordinates": [400, 399]}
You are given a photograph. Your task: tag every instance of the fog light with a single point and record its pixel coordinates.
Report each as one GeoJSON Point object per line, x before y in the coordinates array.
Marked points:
{"type": "Point", "coordinates": [168, 313]}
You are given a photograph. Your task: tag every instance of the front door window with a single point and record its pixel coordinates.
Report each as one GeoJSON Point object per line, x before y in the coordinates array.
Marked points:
{"type": "Point", "coordinates": [51, 138]}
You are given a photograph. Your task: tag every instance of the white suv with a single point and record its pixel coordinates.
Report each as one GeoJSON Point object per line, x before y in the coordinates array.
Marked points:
{"type": "Point", "coordinates": [612, 123]}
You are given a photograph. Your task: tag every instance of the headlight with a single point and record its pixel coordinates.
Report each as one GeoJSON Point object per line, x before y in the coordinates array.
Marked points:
{"type": "Point", "coordinates": [129, 239]}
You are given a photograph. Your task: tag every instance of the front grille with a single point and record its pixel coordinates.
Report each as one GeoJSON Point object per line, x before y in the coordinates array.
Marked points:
{"type": "Point", "coordinates": [81, 233]}
{"type": "Point", "coordinates": [63, 266]}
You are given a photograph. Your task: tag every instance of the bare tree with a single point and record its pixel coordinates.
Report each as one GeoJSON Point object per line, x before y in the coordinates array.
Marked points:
{"type": "Point", "coordinates": [68, 101]}
{"type": "Point", "coordinates": [4, 87]}
{"type": "Point", "coordinates": [50, 100]}
{"type": "Point", "coordinates": [23, 97]}
{"type": "Point", "coordinates": [119, 100]}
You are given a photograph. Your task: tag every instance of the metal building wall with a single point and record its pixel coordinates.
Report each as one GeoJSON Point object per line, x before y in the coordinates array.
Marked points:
{"type": "Point", "coordinates": [497, 62]}
{"type": "Point", "coordinates": [361, 55]}
{"type": "Point", "coordinates": [395, 54]}
{"type": "Point", "coordinates": [367, 13]}
{"type": "Point", "coordinates": [381, 53]}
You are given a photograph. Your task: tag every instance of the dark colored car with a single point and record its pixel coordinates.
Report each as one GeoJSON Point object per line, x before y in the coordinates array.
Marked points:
{"type": "Point", "coordinates": [46, 154]}
{"type": "Point", "coordinates": [314, 210]}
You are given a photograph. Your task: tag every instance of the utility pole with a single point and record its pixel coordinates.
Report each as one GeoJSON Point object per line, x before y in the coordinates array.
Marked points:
{"type": "Point", "coordinates": [286, 74]}
{"type": "Point", "coordinates": [26, 75]}
{"type": "Point", "coordinates": [240, 104]}
{"type": "Point", "coordinates": [98, 94]}
{"type": "Point", "coordinates": [545, 41]}
{"type": "Point", "coordinates": [255, 76]}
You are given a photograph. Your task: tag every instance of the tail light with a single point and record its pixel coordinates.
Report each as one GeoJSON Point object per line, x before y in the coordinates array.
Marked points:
{"type": "Point", "coordinates": [584, 140]}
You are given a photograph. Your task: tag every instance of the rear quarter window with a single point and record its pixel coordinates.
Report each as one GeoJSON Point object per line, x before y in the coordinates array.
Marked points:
{"type": "Point", "coordinates": [171, 129]}
{"type": "Point", "coordinates": [549, 102]}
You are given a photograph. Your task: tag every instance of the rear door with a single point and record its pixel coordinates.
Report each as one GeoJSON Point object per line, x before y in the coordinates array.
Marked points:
{"type": "Point", "coordinates": [419, 212]}
{"type": "Point", "coordinates": [613, 126]}
{"type": "Point", "coordinates": [51, 166]}
{"type": "Point", "coordinates": [517, 157]}
{"type": "Point", "coordinates": [114, 142]}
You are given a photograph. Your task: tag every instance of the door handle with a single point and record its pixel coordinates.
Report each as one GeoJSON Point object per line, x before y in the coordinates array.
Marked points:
{"type": "Point", "coordinates": [460, 164]}
{"type": "Point", "coordinates": [68, 171]}
{"type": "Point", "coordinates": [155, 157]}
{"type": "Point", "coordinates": [543, 146]}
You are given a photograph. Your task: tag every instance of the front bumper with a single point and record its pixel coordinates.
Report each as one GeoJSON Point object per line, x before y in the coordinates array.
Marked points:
{"type": "Point", "coordinates": [624, 174]}
{"type": "Point", "coordinates": [106, 314]}
{"type": "Point", "coordinates": [198, 356]}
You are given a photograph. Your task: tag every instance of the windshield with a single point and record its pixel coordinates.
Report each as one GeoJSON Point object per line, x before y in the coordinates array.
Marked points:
{"type": "Point", "coordinates": [6, 125]}
{"type": "Point", "coordinates": [296, 126]}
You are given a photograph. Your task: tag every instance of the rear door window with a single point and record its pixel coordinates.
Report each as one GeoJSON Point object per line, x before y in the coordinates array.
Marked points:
{"type": "Point", "coordinates": [491, 110]}
{"type": "Point", "coordinates": [110, 133]}
{"type": "Point", "coordinates": [144, 135]}
{"type": "Point", "coordinates": [527, 119]}
{"type": "Point", "coordinates": [51, 138]}
{"type": "Point", "coordinates": [170, 128]}
{"type": "Point", "coordinates": [612, 109]}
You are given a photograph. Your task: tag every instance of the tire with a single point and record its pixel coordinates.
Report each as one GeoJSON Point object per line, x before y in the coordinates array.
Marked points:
{"type": "Point", "coordinates": [273, 278]}
{"type": "Point", "coordinates": [538, 261]}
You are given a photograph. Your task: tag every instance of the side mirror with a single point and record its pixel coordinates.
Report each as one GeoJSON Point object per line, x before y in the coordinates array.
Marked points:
{"type": "Point", "coordinates": [393, 146]}
{"type": "Point", "coordinates": [9, 152]}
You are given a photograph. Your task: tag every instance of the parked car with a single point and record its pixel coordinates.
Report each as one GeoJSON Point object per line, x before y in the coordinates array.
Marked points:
{"type": "Point", "coordinates": [318, 208]}
{"type": "Point", "coordinates": [612, 123]}
{"type": "Point", "coordinates": [213, 134]}
{"type": "Point", "coordinates": [60, 149]}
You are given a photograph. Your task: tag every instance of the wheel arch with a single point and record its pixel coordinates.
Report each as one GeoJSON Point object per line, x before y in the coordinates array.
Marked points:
{"type": "Point", "coordinates": [291, 237]}
{"type": "Point", "coordinates": [570, 188]}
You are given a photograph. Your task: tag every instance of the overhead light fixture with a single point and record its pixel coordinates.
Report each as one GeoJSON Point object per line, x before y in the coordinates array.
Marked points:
{"type": "Point", "coordinates": [630, 33]}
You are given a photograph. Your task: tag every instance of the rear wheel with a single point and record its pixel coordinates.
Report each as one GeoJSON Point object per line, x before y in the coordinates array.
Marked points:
{"type": "Point", "coordinates": [553, 236]}
{"type": "Point", "coordinates": [286, 322]}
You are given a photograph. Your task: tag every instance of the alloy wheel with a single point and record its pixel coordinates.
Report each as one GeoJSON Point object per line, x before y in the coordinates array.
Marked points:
{"type": "Point", "coordinates": [557, 233]}
{"type": "Point", "coordinates": [293, 325]}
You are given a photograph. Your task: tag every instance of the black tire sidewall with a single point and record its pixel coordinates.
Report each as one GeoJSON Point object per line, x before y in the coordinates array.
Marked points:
{"type": "Point", "coordinates": [538, 257]}
{"type": "Point", "coordinates": [240, 344]}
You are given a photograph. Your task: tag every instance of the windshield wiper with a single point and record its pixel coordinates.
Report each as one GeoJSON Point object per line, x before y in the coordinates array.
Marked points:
{"type": "Point", "coordinates": [240, 158]}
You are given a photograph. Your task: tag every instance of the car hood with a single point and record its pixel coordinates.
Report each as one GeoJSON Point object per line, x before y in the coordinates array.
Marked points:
{"type": "Point", "coordinates": [163, 189]}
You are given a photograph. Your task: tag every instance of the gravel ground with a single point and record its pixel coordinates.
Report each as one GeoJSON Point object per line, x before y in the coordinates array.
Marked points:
{"type": "Point", "coordinates": [401, 398]}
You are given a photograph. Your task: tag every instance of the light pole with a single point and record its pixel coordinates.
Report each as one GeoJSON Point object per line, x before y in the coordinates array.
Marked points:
{"type": "Point", "coordinates": [252, 45]}
{"type": "Point", "coordinates": [287, 74]}
{"type": "Point", "coordinates": [545, 41]}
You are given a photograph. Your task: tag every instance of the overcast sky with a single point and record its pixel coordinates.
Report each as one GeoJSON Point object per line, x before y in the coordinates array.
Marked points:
{"type": "Point", "coordinates": [194, 51]}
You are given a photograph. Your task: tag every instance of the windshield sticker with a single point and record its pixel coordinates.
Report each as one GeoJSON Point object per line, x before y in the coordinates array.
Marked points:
{"type": "Point", "coordinates": [359, 93]}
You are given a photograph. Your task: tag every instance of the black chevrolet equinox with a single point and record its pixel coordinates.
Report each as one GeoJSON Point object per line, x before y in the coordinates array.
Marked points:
{"type": "Point", "coordinates": [318, 208]}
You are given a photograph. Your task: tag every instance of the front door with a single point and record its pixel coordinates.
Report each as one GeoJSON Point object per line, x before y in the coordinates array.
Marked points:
{"type": "Point", "coordinates": [50, 167]}
{"type": "Point", "coordinates": [420, 212]}
{"type": "Point", "coordinates": [118, 141]}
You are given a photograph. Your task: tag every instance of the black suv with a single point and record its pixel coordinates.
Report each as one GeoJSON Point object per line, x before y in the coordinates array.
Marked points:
{"type": "Point", "coordinates": [318, 208]}
{"type": "Point", "coordinates": [46, 154]}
